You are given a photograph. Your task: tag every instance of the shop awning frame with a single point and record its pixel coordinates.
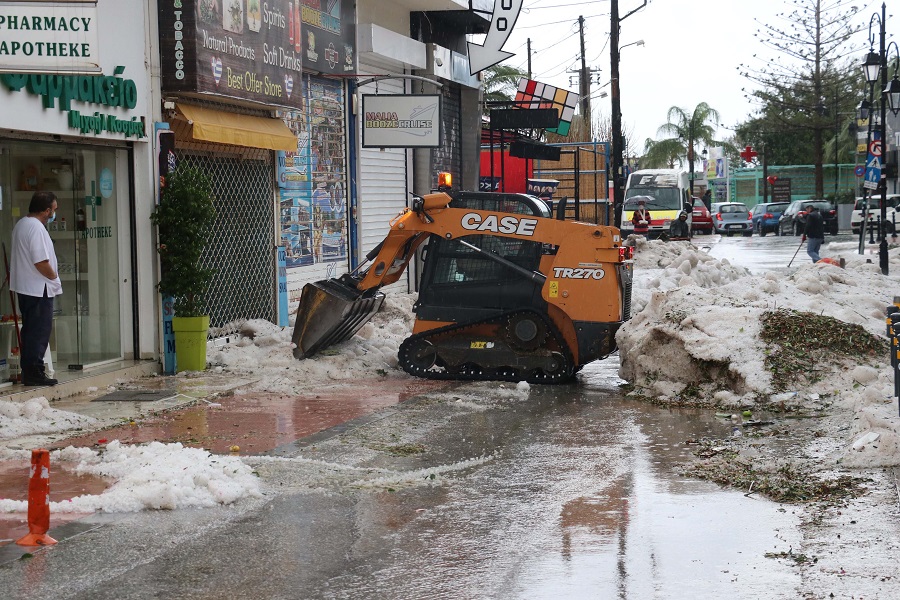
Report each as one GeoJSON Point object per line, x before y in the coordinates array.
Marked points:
{"type": "Point", "coordinates": [220, 127]}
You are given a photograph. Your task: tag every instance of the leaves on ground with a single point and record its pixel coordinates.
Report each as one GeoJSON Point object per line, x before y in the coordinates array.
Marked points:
{"type": "Point", "coordinates": [788, 483]}
{"type": "Point", "coordinates": [805, 344]}
{"type": "Point", "coordinates": [404, 449]}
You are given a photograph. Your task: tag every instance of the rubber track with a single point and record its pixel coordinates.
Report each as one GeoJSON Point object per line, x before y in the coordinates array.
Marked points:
{"type": "Point", "coordinates": [482, 374]}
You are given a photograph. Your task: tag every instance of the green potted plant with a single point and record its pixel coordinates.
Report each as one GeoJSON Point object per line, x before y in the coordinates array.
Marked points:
{"type": "Point", "coordinates": [183, 219]}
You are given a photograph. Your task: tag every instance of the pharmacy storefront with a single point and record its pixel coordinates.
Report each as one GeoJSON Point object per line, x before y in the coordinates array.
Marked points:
{"type": "Point", "coordinates": [74, 94]}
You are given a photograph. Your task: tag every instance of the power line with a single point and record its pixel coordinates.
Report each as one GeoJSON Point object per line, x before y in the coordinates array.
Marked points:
{"type": "Point", "coordinates": [568, 4]}
{"type": "Point", "coordinates": [555, 23]}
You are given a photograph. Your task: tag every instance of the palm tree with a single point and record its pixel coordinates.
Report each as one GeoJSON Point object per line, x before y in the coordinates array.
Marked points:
{"type": "Point", "coordinates": [500, 83]}
{"type": "Point", "coordinates": [662, 154]}
{"type": "Point", "coordinates": [685, 130]}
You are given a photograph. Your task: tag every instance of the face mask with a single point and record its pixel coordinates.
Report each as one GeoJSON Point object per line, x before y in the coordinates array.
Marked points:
{"type": "Point", "coordinates": [52, 218]}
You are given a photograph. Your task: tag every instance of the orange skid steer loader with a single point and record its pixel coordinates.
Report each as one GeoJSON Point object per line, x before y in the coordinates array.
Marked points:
{"type": "Point", "coordinates": [507, 292]}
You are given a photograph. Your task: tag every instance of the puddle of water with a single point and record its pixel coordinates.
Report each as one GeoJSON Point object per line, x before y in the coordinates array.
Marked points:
{"type": "Point", "coordinates": [63, 486]}
{"type": "Point", "coordinates": [259, 422]}
{"type": "Point", "coordinates": [582, 501]}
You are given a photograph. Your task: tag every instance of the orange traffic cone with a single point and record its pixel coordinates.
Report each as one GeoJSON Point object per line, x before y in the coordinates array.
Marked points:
{"type": "Point", "coordinates": [38, 501]}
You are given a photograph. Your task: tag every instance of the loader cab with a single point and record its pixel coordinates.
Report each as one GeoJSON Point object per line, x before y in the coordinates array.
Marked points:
{"type": "Point", "coordinates": [458, 285]}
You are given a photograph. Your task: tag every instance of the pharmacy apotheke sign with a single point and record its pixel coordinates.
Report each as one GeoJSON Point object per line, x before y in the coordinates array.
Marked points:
{"type": "Point", "coordinates": [58, 37]}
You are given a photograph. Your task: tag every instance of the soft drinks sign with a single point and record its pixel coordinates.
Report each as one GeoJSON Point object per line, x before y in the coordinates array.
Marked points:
{"type": "Point", "coordinates": [247, 49]}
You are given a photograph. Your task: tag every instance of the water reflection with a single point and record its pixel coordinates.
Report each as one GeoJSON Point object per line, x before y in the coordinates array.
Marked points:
{"type": "Point", "coordinates": [581, 501]}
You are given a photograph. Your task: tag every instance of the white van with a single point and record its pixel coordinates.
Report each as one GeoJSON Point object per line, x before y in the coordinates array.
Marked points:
{"type": "Point", "coordinates": [666, 192]}
{"type": "Point", "coordinates": [874, 203]}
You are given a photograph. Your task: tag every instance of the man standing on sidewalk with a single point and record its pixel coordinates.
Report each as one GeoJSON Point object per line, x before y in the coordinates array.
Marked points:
{"type": "Point", "coordinates": [34, 276]}
{"type": "Point", "coordinates": [814, 233]}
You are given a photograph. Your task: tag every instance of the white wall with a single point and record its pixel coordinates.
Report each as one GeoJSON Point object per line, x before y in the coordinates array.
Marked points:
{"type": "Point", "coordinates": [390, 15]}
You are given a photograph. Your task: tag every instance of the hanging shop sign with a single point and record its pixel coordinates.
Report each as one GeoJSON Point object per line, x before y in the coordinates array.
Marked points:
{"type": "Point", "coordinates": [247, 49]}
{"type": "Point", "coordinates": [329, 32]}
{"type": "Point", "coordinates": [401, 121]}
{"type": "Point", "coordinates": [107, 92]}
{"type": "Point", "coordinates": [43, 38]}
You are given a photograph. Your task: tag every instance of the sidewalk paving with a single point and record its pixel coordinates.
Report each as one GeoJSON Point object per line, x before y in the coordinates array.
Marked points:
{"type": "Point", "coordinates": [207, 410]}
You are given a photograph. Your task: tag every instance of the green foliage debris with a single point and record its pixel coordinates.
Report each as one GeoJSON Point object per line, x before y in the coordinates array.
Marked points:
{"type": "Point", "coordinates": [804, 344]}
{"type": "Point", "coordinates": [788, 483]}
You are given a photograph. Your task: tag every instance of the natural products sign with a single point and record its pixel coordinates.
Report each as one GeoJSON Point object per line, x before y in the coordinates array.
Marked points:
{"type": "Point", "coordinates": [247, 49]}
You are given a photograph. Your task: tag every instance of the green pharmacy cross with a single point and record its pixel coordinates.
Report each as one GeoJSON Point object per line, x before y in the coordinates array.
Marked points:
{"type": "Point", "coordinates": [93, 201]}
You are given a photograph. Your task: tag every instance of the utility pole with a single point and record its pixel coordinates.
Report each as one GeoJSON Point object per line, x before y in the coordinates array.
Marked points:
{"type": "Point", "coordinates": [529, 58]}
{"type": "Point", "coordinates": [584, 86]}
{"type": "Point", "coordinates": [584, 83]}
{"type": "Point", "coordinates": [616, 172]}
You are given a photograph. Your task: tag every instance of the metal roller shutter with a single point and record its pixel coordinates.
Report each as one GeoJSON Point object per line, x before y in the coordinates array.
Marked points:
{"type": "Point", "coordinates": [240, 248]}
{"type": "Point", "coordinates": [449, 156]}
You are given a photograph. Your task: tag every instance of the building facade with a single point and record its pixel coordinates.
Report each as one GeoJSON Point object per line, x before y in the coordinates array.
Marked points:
{"type": "Point", "coordinates": [267, 99]}
{"type": "Point", "coordinates": [76, 120]}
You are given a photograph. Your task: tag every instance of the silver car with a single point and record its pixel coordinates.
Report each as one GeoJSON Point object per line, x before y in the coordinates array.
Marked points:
{"type": "Point", "coordinates": [730, 218]}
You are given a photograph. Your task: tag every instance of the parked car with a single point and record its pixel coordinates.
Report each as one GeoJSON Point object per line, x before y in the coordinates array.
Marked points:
{"type": "Point", "coordinates": [793, 219]}
{"type": "Point", "coordinates": [701, 218]}
{"type": "Point", "coordinates": [731, 217]}
{"type": "Point", "coordinates": [765, 217]}
{"type": "Point", "coordinates": [874, 211]}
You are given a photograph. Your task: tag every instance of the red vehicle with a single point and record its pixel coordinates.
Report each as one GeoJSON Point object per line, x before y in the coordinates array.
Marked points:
{"type": "Point", "coordinates": [701, 219]}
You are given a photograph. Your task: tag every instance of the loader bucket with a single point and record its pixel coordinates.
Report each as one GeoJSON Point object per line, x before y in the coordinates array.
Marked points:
{"type": "Point", "coordinates": [330, 312]}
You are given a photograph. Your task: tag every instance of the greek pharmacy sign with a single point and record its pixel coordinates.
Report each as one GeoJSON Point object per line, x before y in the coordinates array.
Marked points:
{"type": "Point", "coordinates": [401, 121]}
{"type": "Point", "coordinates": [113, 92]}
{"type": "Point", "coordinates": [57, 37]}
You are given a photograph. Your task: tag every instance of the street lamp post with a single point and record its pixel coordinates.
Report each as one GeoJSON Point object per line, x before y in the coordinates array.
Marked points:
{"type": "Point", "coordinates": [875, 65]}
{"type": "Point", "coordinates": [837, 135]}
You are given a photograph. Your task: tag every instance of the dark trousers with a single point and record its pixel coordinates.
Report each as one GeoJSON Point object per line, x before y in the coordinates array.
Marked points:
{"type": "Point", "coordinates": [37, 323]}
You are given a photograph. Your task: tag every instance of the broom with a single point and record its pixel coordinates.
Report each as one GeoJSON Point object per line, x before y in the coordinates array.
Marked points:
{"type": "Point", "coordinates": [12, 302]}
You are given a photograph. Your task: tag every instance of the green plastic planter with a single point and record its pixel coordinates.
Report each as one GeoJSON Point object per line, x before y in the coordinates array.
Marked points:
{"type": "Point", "coordinates": [190, 342]}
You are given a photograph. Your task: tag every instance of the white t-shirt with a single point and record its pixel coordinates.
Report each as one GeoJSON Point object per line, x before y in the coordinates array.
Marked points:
{"type": "Point", "coordinates": [31, 244]}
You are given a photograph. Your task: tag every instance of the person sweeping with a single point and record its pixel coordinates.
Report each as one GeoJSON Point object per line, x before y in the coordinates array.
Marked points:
{"type": "Point", "coordinates": [814, 234]}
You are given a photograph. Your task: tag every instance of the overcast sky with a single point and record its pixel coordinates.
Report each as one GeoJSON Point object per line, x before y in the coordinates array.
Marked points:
{"type": "Point", "coordinates": [691, 53]}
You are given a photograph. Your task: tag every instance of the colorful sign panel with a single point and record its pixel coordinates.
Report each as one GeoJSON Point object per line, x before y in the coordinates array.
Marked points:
{"type": "Point", "coordinates": [329, 32]}
{"type": "Point", "coordinates": [401, 121]}
{"type": "Point", "coordinates": [533, 94]}
{"type": "Point", "coordinates": [312, 181]}
{"type": "Point", "coordinates": [42, 38]}
{"type": "Point", "coordinates": [247, 49]}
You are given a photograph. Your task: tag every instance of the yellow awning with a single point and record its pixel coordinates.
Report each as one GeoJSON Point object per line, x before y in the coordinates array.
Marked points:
{"type": "Point", "coordinates": [210, 125]}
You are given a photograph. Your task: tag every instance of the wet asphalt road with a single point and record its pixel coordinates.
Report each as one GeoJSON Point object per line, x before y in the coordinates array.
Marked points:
{"type": "Point", "coordinates": [773, 253]}
{"type": "Point", "coordinates": [570, 492]}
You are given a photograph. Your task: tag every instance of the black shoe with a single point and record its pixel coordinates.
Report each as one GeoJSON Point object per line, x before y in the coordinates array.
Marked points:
{"type": "Point", "coordinates": [34, 377]}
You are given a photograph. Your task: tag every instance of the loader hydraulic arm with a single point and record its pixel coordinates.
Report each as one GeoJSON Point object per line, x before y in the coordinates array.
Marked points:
{"type": "Point", "coordinates": [408, 231]}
